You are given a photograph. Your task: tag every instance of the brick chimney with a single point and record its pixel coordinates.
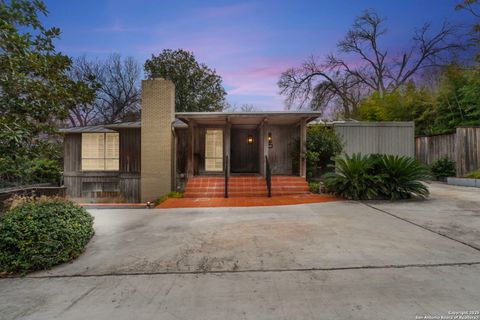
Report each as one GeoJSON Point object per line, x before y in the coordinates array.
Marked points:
{"type": "Point", "coordinates": [158, 114]}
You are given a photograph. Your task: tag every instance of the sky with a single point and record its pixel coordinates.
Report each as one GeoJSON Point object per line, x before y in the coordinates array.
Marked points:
{"type": "Point", "coordinates": [248, 43]}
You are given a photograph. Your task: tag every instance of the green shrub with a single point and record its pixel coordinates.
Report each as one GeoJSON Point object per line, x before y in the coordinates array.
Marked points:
{"type": "Point", "coordinates": [173, 194]}
{"type": "Point", "coordinates": [322, 144]}
{"type": "Point", "coordinates": [25, 171]}
{"type": "Point", "coordinates": [314, 186]}
{"type": "Point", "coordinates": [376, 177]}
{"type": "Point", "coordinates": [38, 235]}
{"type": "Point", "coordinates": [443, 168]}
{"type": "Point", "coordinates": [353, 178]}
{"type": "Point", "coordinates": [473, 175]}
{"type": "Point", "coordinates": [401, 177]}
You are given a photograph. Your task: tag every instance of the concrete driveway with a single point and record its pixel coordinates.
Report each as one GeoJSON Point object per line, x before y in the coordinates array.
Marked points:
{"type": "Point", "coordinates": [339, 260]}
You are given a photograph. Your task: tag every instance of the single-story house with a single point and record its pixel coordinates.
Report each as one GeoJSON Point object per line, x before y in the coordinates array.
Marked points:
{"type": "Point", "coordinates": [206, 154]}
{"type": "Point", "coordinates": [141, 161]}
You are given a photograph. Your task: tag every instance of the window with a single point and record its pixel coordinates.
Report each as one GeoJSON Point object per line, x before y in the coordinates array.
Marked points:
{"type": "Point", "coordinates": [214, 150]}
{"type": "Point", "coordinates": [100, 151]}
{"type": "Point", "coordinates": [100, 190]}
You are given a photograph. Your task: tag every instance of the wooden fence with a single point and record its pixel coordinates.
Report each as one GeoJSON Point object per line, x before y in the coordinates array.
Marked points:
{"type": "Point", "coordinates": [463, 147]}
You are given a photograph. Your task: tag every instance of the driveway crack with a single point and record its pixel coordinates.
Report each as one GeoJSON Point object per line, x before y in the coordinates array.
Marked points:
{"type": "Point", "coordinates": [219, 272]}
{"type": "Point", "coordinates": [421, 226]}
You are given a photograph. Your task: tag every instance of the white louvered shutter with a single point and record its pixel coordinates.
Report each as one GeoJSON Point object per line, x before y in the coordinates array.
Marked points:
{"type": "Point", "coordinates": [213, 150]}
{"type": "Point", "coordinates": [111, 151]}
{"type": "Point", "coordinates": [93, 151]}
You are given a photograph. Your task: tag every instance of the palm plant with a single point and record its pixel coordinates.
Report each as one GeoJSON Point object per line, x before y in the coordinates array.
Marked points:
{"type": "Point", "coordinates": [353, 178]}
{"type": "Point", "coordinates": [375, 176]}
{"type": "Point", "coordinates": [402, 177]}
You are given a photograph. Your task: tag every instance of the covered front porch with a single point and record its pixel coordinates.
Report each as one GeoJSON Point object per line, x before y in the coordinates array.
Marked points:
{"type": "Point", "coordinates": [250, 144]}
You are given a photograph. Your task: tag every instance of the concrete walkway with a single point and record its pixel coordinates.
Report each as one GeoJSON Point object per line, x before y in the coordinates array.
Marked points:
{"type": "Point", "coordinates": [336, 260]}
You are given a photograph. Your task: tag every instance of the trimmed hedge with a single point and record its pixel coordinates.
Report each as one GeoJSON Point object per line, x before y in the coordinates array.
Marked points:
{"type": "Point", "coordinates": [39, 235]}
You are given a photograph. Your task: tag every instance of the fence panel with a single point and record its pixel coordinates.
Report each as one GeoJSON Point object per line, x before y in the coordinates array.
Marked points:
{"type": "Point", "coordinates": [463, 147]}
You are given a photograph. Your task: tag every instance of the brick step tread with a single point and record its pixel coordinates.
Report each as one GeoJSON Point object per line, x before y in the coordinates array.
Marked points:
{"type": "Point", "coordinates": [230, 184]}
{"type": "Point", "coordinates": [230, 195]}
{"type": "Point", "coordinates": [288, 194]}
{"type": "Point", "coordinates": [204, 195]}
{"type": "Point", "coordinates": [223, 189]}
{"type": "Point", "coordinates": [206, 186]}
{"type": "Point", "coordinates": [245, 194]}
{"type": "Point", "coordinates": [289, 187]}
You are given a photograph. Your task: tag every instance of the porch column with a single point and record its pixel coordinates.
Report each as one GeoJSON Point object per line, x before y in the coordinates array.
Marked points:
{"type": "Point", "coordinates": [227, 144]}
{"type": "Point", "coordinates": [303, 148]}
{"type": "Point", "coordinates": [264, 152]}
{"type": "Point", "coordinates": [191, 149]}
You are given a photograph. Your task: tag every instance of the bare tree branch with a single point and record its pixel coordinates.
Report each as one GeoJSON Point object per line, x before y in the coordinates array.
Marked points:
{"type": "Point", "coordinates": [118, 93]}
{"type": "Point", "coordinates": [362, 66]}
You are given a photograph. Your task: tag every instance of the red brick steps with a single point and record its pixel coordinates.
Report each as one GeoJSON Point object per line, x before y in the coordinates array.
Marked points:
{"type": "Point", "coordinates": [244, 186]}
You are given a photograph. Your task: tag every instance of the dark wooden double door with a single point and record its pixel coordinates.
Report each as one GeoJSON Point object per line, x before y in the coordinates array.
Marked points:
{"type": "Point", "coordinates": [244, 154]}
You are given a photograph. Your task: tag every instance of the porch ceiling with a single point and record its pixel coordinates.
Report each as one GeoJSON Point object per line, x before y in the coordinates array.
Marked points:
{"type": "Point", "coordinates": [247, 118]}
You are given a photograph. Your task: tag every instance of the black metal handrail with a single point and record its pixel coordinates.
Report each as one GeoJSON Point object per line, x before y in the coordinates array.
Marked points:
{"type": "Point", "coordinates": [226, 175]}
{"type": "Point", "coordinates": [268, 177]}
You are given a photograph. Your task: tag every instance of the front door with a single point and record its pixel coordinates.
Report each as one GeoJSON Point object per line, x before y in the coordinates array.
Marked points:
{"type": "Point", "coordinates": [244, 150]}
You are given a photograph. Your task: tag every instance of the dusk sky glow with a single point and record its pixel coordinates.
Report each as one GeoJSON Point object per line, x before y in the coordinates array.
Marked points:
{"type": "Point", "coordinates": [248, 43]}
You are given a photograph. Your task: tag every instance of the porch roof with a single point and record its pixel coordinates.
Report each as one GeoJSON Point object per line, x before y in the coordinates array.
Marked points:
{"type": "Point", "coordinates": [248, 118]}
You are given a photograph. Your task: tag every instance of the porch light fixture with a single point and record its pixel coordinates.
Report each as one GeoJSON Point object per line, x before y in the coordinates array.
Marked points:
{"type": "Point", "coordinates": [270, 143]}
{"type": "Point", "coordinates": [249, 139]}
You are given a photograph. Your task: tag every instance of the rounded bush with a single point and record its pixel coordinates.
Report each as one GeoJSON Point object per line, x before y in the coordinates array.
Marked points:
{"type": "Point", "coordinates": [39, 235]}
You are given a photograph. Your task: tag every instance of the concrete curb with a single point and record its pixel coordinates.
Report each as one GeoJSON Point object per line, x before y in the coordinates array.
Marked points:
{"type": "Point", "coordinates": [464, 182]}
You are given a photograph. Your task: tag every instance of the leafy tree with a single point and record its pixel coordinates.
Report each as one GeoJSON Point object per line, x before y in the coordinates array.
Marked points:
{"type": "Point", "coordinates": [35, 90]}
{"type": "Point", "coordinates": [454, 101]}
{"type": "Point", "coordinates": [409, 103]}
{"type": "Point", "coordinates": [458, 99]}
{"type": "Point", "coordinates": [197, 87]}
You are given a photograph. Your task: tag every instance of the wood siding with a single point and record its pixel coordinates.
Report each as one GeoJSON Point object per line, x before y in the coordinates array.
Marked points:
{"type": "Point", "coordinates": [467, 150]}
{"type": "Point", "coordinates": [123, 184]}
{"type": "Point", "coordinates": [463, 147]}
{"type": "Point", "coordinates": [396, 138]}
{"type": "Point", "coordinates": [430, 149]}
{"type": "Point", "coordinates": [191, 145]}
{"type": "Point", "coordinates": [72, 154]}
{"type": "Point", "coordinates": [130, 152]}
{"type": "Point", "coordinates": [280, 155]}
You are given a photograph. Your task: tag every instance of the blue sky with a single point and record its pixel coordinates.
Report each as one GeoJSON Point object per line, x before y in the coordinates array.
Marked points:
{"type": "Point", "coordinates": [249, 43]}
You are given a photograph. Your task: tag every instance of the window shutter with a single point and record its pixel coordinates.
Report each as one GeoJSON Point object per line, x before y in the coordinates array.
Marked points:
{"type": "Point", "coordinates": [111, 151]}
{"type": "Point", "coordinates": [93, 151]}
{"type": "Point", "coordinates": [213, 150]}
{"type": "Point", "coordinates": [100, 151]}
